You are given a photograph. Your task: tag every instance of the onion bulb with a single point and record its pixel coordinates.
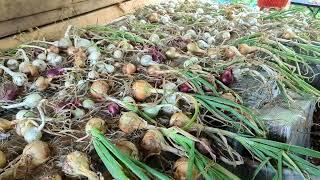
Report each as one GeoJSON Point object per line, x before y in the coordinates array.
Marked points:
{"type": "Point", "coordinates": [128, 148]}
{"type": "Point", "coordinates": [54, 59]}
{"type": "Point", "coordinates": [12, 64]}
{"type": "Point", "coordinates": [172, 53]}
{"type": "Point", "coordinates": [5, 125]}
{"type": "Point", "coordinates": [30, 101]}
{"type": "Point", "coordinates": [181, 170]}
{"type": "Point", "coordinates": [3, 159]}
{"type": "Point", "coordinates": [231, 52]}
{"type": "Point", "coordinates": [117, 54]}
{"type": "Point", "coordinates": [80, 58]}
{"type": "Point", "coordinates": [154, 70]}
{"type": "Point", "coordinates": [40, 64]}
{"type": "Point", "coordinates": [8, 91]}
{"type": "Point", "coordinates": [153, 141]}
{"type": "Point", "coordinates": [78, 113]}
{"type": "Point", "coordinates": [27, 68]}
{"type": "Point", "coordinates": [96, 123]}
{"type": "Point", "coordinates": [289, 34]}
{"type": "Point", "coordinates": [227, 77]}
{"type": "Point", "coordinates": [201, 148]}
{"type": "Point", "coordinates": [154, 18]}
{"type": "Point", "coordinates": [194, 48]}
{"type": "Point", "coordinates": [185, 87]}
{"type": "Point", "coordinates": [245, 49]}
{"type": "Point", "coordinates": [113, 109]}
{"type": "Point", "coordinates": [77, 164]}
{"type": "Point", "coordinates": [99, 89]}
{"type": "Point", "coordinates": [42, 83]}
{"type": "Point", "coordinates": [130, 121]}
{"type": "Point", "coordinates": [146, 60]}
{"type": "Point", "coordinates": [88, 104]}
{"type": "Point", "coordinates": [53, 49]}
{"type": "Point", "coordinates": [141, 90]}
{"type": "Point", "coordinates": [18, 78]}
{"type": "Point", "coordinates": [25, 114]}
{"type": "Point", "coordinates": [179, 119]}
{"type": "Point", "coordinates": [129, 69]}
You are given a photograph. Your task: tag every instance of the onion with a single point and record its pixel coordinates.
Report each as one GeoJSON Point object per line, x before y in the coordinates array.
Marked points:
{"type": "Point", "coordinates": [54, 59]}
{"type": "Point", "coordinates": [18, 79]}
{"type": "Point", "coordinates": [54, 72]}
{"type": "Point", "coordinates": [53, 49]}
{"type": "Point", "coordinates": [130, 122]}
{"type": "Point", "coordinates": [146, 60]}
{"type": "Point", "coordinates": [172, 53]}
{"type": "Point", "coordinates": [25, 114]}
{"type": "Point", "coordinates": [93, 75]}
{"type": "Point", "coordinates": [230, 52]}
{"type": "Point", "coordinates": [225, 35]}
{"type": "Point", "coordinates": [113, 109]}
{"type": "Point", "coordinates": [185, 87]}
{"type": "Point", "coordinates": [3, 159]}
{"type": "Point", "coordinates": [154, 70]}
{"type": "Point", "coordinates": [227, 77]}
{"type": "Point", "coordinates": [77, 164]}
{"type": "Point", "coordinates": [94, 55]}
{"type": "Point", "coordinates": [245, 49]}
{"type": "Point", "coordinates": [179, 119]}
{"type": "Point", "coordinates": [154, 38]}
{"type": "Point", "coordinates": [194, 48]}
{"type": "Point", "coordinates": [12, 64]}
{"type": "Point", "coordinates": [78, 113]}
{"type": "Point", "coordinates": [128, 148]}
{"type": "Point", "coordinates": [201, 148]}
{"type": "Point", "coordinates": [51, 177]}
{"type": "Point", "coordinates": [80, 58]}
{"type": "Point", "coordinates": [42, 83]}
{"type": "Point", "coordinates": [8, 91]}
{"type": "Point", "coordinates": [30, 101]}
{"type": "Point", "coordinates": [154, 142]}
{"type": "Point", "coordinates": [154, 18]}
{"type": "Point", "coordinates": [88, 104]}
{"type": "Point", "coordinates": [96, 123]}
{"type": "Point", "coordinates": [5, 125]}
{"type": "Point", "coordinates": [125, 45]}
{"type": "Point", "coordinates": [181, 170]}
{"type": "Point", "coordinates": [141, 90]}
{"type": "Point", "coordinates": [99, 89]}
{"type": "Point", "coordinates": [117, 54]}
{"type": "Point", "coordinates": [129, 69]}
{"type": "Point", "coordinates": [152, 111]}
{"type": "Point", "coordinates": [40, 64]}
{"type": "Point", "coordinates": [165, 19]}
{"type": "Point", "coordinates": [202, 44]}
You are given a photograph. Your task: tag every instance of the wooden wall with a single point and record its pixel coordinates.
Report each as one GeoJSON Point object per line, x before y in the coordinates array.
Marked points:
{"type": "Point", "coordinates": [53, 17]}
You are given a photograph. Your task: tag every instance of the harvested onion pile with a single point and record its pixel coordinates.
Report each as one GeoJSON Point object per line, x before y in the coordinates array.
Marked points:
{"type": "Point", "coordinates": [151, 96]}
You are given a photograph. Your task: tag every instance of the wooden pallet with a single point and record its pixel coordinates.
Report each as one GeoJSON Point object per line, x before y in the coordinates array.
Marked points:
{"type": "Point", "coordinates": [56, 30]}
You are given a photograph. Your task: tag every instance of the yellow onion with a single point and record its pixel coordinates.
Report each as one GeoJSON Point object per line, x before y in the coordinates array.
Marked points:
{"type": "Point", "coordinates": [42, 83]}
{"type": "Point", "coordinates": [172, 53]}
{"type": "Point", "coordinates": [37, 151]}
{"type": "Point", "coordinates": [154, 18]}
{"type": "Point", "coordinates": [96, 123]}
{"type": "Point", "coordinates": [154, 70]}
{"type": "Point", "coordinates": [245, 49]}
{"type": "Point", "coordinates": [141, 90]}
{"type": "Point", "coordinates": [71, 50]}
{"type": "Point", "coordinates": [80, 58]}
{"type": "Point", "coordinates": [194, 49]}
{"type": "Point", "coordinates": [152, 141]}
{"type": "Point", "coordinates": [29, 69]}
{"type": "Point", "coordinates": [99, 89]}
{"type": "Point", "coordinates": [231, 52]}
{"type": "Point", "coordinates": [128, 148]}
{"type": "Point", "coordinates": [289, 34]}
{"type": "Point", "coordinates": [213, 52]}
{"type": "Point", "coordinates": [130, 121]}
{"type": "Point", "coordinates": [179, 119]}
{"type": "Point", "coordinates": [181, 170]}
{"type": "Point", "coordinates": [77, 164]}
{"type": "Point", "coordinates": [3, 159]}
{"type": "Point", "coordinates": [129, 69]}
{"type": "Point", "coordinates": [5, 125]}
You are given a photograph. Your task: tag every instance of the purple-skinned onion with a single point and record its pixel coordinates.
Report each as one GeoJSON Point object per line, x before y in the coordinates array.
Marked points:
{"type": "Point", "coordinates": [185, 87]}
{"type": "Point", "coordinates": [8, 92]}
{"type": "Point", "coordinates": [114, 109]}
{"type": "Point", "coordinates": [227, 77]}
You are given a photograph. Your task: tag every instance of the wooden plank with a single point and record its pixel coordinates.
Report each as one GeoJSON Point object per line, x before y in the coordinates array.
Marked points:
{"type": "Point", "coordinates": [16, 25]}
{"type": "Point", "coordinates": [56, 31]}
{"type": "Point", "coordinates": [10, 9]}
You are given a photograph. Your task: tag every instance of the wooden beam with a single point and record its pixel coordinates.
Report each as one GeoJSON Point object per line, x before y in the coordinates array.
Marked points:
{"type": "Point", "coordinates": [16, 25]}
{"type": "Point", "coordinates": [56, 31]}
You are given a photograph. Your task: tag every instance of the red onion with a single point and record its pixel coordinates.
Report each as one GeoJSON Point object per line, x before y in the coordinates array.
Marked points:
{"type": "Point", "coordinates": [8, 92]}
{"type": "Point", "coordinates": [114, 109]}
{"type": "Point", "coordinates": [185, 87]}
{"type": "Point", "coordinates": [227, 77]}
{"type": "Point", "coordinates": [54, 72]}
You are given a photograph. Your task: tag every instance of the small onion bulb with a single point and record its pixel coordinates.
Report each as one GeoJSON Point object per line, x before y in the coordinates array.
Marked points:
{"type": "Point", "coordinates": [128, 148]}
{"type": "Point", "coordinates": [96, 123]}
{"type": "Point", "coordinates": [129, 69]}
{"type": "Point", "coordinates": [130, 122]}
{"type": "Point", "coordinates": [99, 89]}
{"type": "Point", "coordinates": [30, 101]}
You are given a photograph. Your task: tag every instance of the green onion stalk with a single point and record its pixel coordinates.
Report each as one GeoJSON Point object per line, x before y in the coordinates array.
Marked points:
{"type": "Point", "coordinates": [267, 152]}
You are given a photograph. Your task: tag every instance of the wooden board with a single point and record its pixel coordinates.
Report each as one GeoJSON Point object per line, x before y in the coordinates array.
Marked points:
{"type": "Point", "coordinates": [56, 31]}
{"type": "Point", "coordinates": [10, 9]}
{"type": "Point", "coordinates": [16, 25]}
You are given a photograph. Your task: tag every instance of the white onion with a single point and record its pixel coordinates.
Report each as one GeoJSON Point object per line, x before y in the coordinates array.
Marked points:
{"type": "Point", "coordinates": [54, 59]}
{"type": "Point", "coordinates": [165, 19]}
{"type": "Point", "coordinates": [211, 40]}
{"type": "Point", "coordinates": [82, 43]}
{"type": "Point", "coordinates": [206, 35]}
{"type": "Point", "coordinates": [88, 104]}
{"type": "Point", "coordinates": [18, 78]}
{"type": "Point", "coordinates": [42, 56]}
{"type": "Point", "coordinates": [12, 64]}
{"type": "Point", "coordinates": [25, 114]}
{"type": "Point", "coordinates": [30, 101]}
{"type": "Point", "coordinates": [146, 60]}
{"type": "Point", "coordinates": [40, 64]}
{"type": "Point", "coordinates": [78, 113]}
{"type": "Point", "coordinates": [94, 55]}
{"type": "Point", "coordinates": [199, 11]}
{"type": "Point", "coordinates": [202, 44]}
{"type": "Point", "coordinates": [154, 38]}
{"type": "Point", "coordinates": [64, 42]}
{"type": "Point", "coordinates": [142, 21]}
{"type": "Point", "coordinates": [92, 74]}
{"type": "Point", "coordinates": [111, 47]}
{"type": "Point", "coordinates": [117, 54]}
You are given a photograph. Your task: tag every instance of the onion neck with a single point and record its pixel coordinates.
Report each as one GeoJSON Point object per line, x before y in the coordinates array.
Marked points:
{"type": "Point", "coordinates": [23, 103]}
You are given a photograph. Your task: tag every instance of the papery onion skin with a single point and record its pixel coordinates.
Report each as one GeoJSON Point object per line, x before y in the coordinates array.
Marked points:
{"type": "Point", "coordinates": [141, 90]}
{"type": "Point", "coordinates": [152, 141]}
{"type": "Point", "coordinates": [181, 170]}
{"type": "Point", "coordinates": [179, 119]}
{"type": "Point", "coordinates": [99, 89]}
{"type": "Point", "coordinates": [130, 122]}
{"type": "Point", "coordinates": [38, 151]}
{"type": "Point", "coordinates": [128, 148]}
{"type": "Point", "coordinates": [96, 123]}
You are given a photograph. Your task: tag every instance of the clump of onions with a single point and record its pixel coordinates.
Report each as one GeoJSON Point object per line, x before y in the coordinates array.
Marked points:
{"type": "Point", "coordinates": [130, 122]}
{"type": "Point", "coordinates": [77, 164]}
{"type": "Point", "coordinates": [42, 83]}
{"type": "Point", "coordinates": [8, 91]}
{"type": "Point", "coordinates": [113, 109]}
{"type": "Point", "coordinates": [30, 101]}
{"type": "Point", "coordinates": [6, 125]}
{"type": "Point", "coordinates": [227, 77]}
{"type": "Point", "coordinates": [99, 89]}
{"type": "Point", "coordinates": [181, 170]}
{"type": "Point", "coordinates": [246, 49]}
{"type": "Point", "coordinates": [194, 48]}
{"type": "Point", "coordinates": [129, 68]}
{"type": "Point", "coordinates": [18, 78]}
{"type": "Point", "coordinates": [185, 87]}
{"type": "Point", "coordinates": [3, 159]}
{"type": "Point", "coordinates": [128, 148]}
{"type": "Point", "coordinates": [96, 123]}
{"type": "Point", "coordinates": [154, 17]}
